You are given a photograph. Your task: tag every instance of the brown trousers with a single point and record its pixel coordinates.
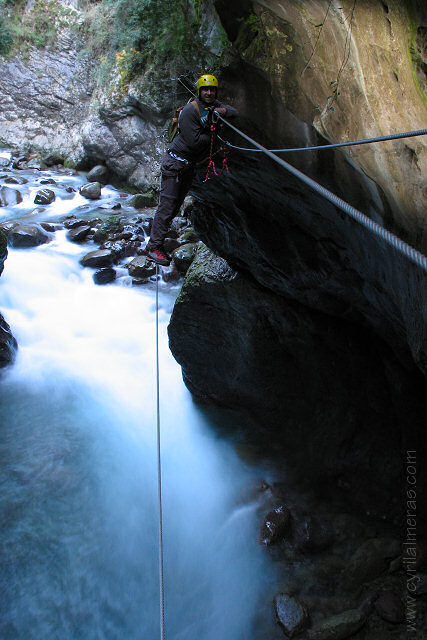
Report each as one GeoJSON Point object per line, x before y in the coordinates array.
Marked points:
{"type": "Point", "coordinates": [176, 182]}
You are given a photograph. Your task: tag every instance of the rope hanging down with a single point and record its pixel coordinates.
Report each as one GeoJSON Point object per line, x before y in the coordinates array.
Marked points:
{"type": "Point", "coordinates": [159, 470]}
{"type": "Point", "coordinates": [411, 253]}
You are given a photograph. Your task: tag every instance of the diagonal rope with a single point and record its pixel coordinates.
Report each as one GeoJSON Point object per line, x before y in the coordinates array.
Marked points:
{"type": "Point", "coordinates": [404, 248]}
{"type": "Point", "coordinates": [416, 256]}
{"type": "Point", "coordinates": [159, 470]}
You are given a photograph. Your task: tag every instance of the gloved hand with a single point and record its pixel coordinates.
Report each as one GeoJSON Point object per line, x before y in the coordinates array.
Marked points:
{"type": "Point", "coordinates": [206, 117]}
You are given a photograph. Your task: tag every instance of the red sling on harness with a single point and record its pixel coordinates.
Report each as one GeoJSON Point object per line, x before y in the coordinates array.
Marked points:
{"type": "Point", "coordinates": [211, 160]}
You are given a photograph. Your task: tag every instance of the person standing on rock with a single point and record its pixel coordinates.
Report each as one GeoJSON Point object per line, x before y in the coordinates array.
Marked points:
{"type": "Point", "coordinates": [191, 145]}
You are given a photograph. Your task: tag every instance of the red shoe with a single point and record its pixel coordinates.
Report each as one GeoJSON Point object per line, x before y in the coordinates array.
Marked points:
{"type": "Point", "coordinates": [157, 256]}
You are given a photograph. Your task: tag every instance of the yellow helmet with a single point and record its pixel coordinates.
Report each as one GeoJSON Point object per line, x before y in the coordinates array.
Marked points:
{"type": "Point", "coordinates": [206, 80]}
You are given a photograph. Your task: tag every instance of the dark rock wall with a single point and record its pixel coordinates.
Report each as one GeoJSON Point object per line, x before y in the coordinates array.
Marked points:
{"type": "Point", "coordinates": [7, 341]}
{"type": "Point", "coordinates": [295, 243]}
{"type": "Point", "coordinates": [333, 403]}
{"type": "Point", "coordinates": [320, 332]}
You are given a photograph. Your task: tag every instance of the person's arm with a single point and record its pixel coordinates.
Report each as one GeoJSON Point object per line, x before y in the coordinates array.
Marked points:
{"type": "Point", "coordinates": [193, 135]}
{"type": "Point", "coordinates": [225, 110]}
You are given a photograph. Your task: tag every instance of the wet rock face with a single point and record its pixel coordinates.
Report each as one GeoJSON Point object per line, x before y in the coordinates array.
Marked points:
{"type": "Point", "coordinates": [338, 627]}
{"type": "Point", "coordinates": [298, 245]}
{"type": "Point", "coordinates": [44, 196]}
{"type": "Point", "coordinates": [3, 250]}
{"type": "Point", "coordinates": [98, 258]}
{"type": "Point", "coordinates": [275, 525]}
{"type": "Point", "coordinates": [327, 393]}
{"type": "Point", "coordinates": [8, 343]}
{"type": "Point", "coordinates": [91, 190]}
{"type": "Point", "coordinates": [291, 615]}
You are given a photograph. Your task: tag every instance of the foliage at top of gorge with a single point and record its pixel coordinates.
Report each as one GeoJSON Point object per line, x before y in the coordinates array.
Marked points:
{"type": "Point", "coordinates": [128, 38]}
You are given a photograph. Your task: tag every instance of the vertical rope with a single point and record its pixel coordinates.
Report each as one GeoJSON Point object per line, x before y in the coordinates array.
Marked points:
{"type": "Point", "coordinates": [159, 470]}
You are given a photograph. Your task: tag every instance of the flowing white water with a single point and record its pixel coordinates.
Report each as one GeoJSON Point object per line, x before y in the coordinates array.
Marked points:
{"type": "Point", "coordinates": [78, 477]}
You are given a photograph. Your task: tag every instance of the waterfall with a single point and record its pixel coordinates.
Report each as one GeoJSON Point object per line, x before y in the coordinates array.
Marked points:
{"type": "Point", "coordinates": [78, 471]}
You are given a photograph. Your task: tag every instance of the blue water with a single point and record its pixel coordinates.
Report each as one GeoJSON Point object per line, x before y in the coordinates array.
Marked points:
{"type": "Point", "coordinates": [78, 499]}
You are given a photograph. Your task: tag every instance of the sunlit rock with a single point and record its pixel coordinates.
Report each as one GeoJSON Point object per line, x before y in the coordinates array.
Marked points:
{"type": "Point", "coordinates": [91, 190]}
{"type": "Point", "coordinates": [141, 267]}
{"type": "Point", "coordinates": [9, 197]}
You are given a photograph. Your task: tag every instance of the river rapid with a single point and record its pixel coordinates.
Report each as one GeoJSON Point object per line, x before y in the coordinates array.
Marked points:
{"type": "Point", "coordinates": [79, 513]}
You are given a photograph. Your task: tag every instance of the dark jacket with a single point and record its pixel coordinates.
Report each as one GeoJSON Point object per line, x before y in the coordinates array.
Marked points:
{"type": "Point", "coordinates": [193, 140]}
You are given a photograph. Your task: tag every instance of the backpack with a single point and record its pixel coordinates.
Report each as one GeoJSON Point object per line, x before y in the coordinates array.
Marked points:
{"type": "Point", "coordinates": [173, 127]}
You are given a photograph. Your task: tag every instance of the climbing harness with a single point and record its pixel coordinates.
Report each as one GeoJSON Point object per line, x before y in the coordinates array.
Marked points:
{"type": "Point", "coordinates": [411, 253]}
{"type": "Point", "coordinates": [159, 469]}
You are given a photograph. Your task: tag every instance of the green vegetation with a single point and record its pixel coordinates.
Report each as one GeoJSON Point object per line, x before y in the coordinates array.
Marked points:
{"type": "Point", "coordinates": [129, 38]}
{"type": "Point", "coordinates": [252, 21]}
{"type": "Point", "coordinates": [113, 224]}
{"type": "Point", "coordinates": [5, 31]}
{"type": "Point", "coordinates": [20, 29]}
{"type": "Point", "coordinates": [135, 34]}
{"type": "Point", "coordinates": [418, 65]}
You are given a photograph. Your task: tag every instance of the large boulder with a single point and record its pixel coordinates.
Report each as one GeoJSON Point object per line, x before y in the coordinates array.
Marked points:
{"type": "Point", "coordinates": [91, 190]}
{"type": "Point", "coordinates": [322, 389]}
{"type": "Point", "coordinates": [143, 200]}
{"type": "Point", "coordinates": [44, 196]}
{"type": "Point", "coordinates": [27, 235]}
{"type": "Point", "coordinates": [98, 258]}
{"type": "Point", "coordinates": [390, 607]}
